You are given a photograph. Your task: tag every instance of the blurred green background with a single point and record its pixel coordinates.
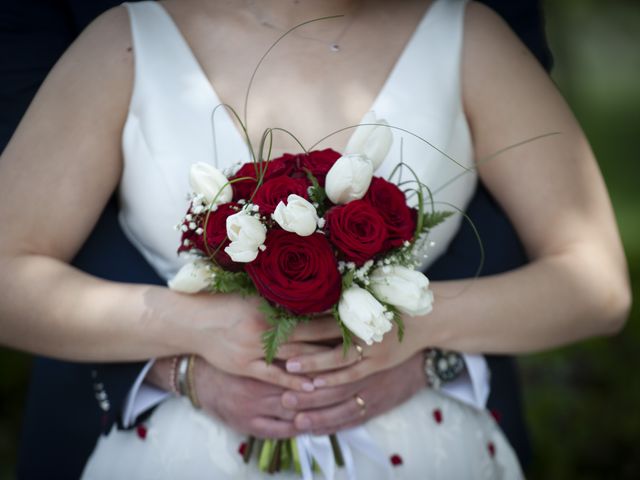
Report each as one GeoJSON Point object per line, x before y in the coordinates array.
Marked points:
{"type": "Point", "coordinates": [583, 401]}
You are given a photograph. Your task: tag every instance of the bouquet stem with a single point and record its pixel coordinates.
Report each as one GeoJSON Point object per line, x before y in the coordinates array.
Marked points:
{"type": "Point", "coordinates": [337, 452]}
{"type": "Point", "coordinates": [276, 455]}
{"type": "Point", "coordinates": [274, 466]}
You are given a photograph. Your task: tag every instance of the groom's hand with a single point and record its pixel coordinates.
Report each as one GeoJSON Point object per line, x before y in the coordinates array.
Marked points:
{"type": "Point", "coordinates": [246, 405]}
{"type": "Point", "coordinates": [327, 410]}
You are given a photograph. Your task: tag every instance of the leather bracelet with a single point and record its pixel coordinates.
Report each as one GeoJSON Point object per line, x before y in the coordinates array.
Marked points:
{"type": "Point", "coordinates": [191, 383]}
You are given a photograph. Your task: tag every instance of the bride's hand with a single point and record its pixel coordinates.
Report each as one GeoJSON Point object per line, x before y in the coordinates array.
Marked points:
{"type": "Point", "coordinates": [333, 367]}
{"type": "Point", "coordinates": [328, 410]}
{"type": "Point", "coordinates": [226, 330]}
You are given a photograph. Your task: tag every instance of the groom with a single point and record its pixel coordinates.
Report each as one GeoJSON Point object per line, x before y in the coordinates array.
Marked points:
{"type": "Point", "coordinates": [69, 404]}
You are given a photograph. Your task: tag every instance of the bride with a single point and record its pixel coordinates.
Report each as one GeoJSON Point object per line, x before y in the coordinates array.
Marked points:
{"type": "Point", "coordinates": [110, 116]}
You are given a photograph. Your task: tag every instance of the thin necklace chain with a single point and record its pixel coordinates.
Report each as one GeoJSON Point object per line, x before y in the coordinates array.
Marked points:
{"type": "Point", "coordinates": [334, 45]}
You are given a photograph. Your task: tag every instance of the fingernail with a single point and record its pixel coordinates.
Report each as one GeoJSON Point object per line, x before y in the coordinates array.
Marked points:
{"type": "Point", "coordinates": [308, 387]}
{"type": "Point", "coordinates": [303, 422]}
{"type": "Point", "coordinates": [319, 382]}
{"type": "Point", "coordinates": [294, 366]}
{"type": "Point", "coordinates": [289, 400]}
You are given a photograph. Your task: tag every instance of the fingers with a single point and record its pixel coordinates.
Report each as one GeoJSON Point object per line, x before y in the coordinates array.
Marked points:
{"type": "Point", "coordinates": [330, 419]}
{"type": "Point", "coordinates": [355, 372]}
{"type": "Point", "coordinates": [270, 373]}
{"type": "Point", "coordinates": [273, 407]}
{"type": "Point", "coordinates": [324, 360]}
{"type": "Point", "coordinates": [289, 350]}
{"type": "Point", "coordinates": [324, 328]}
{"type": "Point", "coordinates": [322, 397]}
{"type": "Point", "coordinates": [264, 427]}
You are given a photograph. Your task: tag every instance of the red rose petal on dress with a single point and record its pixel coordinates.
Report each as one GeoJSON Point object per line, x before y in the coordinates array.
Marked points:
{"type": "Point", "coordinates": [437, 415]}
{"type": "Point", "coordinates": [496, 415]}
{"type": "Point", "coordinates": [492, 449]}
{"type": "Point", "coordinates": [242, 448]}
{"type": "Point", "coordinates": [141, 430]}
{"type": "Point", "coordinates": [396, 460]}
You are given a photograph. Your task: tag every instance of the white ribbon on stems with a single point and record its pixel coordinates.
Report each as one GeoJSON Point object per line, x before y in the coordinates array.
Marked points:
{"type": "Point", "coordinates": [318, 448]}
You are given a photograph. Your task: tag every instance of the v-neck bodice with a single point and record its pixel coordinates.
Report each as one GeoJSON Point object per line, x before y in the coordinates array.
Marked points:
{"type": "Point", "coordinates": [169, 125]}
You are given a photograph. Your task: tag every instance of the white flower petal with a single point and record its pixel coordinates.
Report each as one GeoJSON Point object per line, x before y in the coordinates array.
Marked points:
{"type": "Point", "coordinates": [210, 182]}
{"type": "Point", "coordinates": [348, 179]}
{"type": "Point", "coordinates": [193, 277]}
{"type": "Point", "coordinates": [363, 315]}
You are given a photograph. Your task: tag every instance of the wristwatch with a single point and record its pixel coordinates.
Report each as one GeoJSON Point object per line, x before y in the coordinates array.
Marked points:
{"type": "Point", "coordinates": [442, 366]}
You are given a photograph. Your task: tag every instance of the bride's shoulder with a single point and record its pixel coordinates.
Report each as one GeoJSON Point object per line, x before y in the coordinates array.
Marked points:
{"type": "Point", "coordinates": [486, 33]}
{"type": "Point", "coordinates": [108, 36]}
{"type": "Point", "coordinates": [103, 52]}
{"type": "Point", "coordinates": [495, 63]}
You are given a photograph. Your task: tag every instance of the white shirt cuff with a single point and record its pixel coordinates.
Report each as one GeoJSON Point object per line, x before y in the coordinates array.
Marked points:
{"type": "Point", "coordinates": [141, 397]}
{"type": "Point", "coordinates": [472, 387]}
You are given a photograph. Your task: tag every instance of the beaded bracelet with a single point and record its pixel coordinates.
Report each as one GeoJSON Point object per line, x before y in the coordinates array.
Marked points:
{"type": "Point", "coordinates": [172, 375]}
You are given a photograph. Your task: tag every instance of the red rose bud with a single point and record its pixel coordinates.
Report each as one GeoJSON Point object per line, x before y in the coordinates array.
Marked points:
{"type": "Point", "coordinates": [389, 201]}
{"type": "Point", "coordinates": [357, 230]}
{"type": "Point", "coordinates": [298, 273]}
{"type": "Point", "coordinates": [277, 190]}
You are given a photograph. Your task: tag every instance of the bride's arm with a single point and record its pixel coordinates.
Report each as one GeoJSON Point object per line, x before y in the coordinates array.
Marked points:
{"type": "Point", "coordinates": [576, 284]}
{"type": "Point", "coordinates": [56, 174]}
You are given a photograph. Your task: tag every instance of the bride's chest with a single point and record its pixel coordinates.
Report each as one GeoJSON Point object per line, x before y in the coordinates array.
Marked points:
{"type": "Point", "coordinates": [176, 119]}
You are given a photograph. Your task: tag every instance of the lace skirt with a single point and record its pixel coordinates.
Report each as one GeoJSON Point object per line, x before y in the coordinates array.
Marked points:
{"type": "Point", "coordinates": [430, 436]}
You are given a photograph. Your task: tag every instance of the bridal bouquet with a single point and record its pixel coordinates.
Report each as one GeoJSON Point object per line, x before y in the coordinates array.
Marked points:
{"type": "Point", "coordinates": [311, 233]}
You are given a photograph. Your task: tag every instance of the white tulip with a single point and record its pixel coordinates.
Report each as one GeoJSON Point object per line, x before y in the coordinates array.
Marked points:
{"type": "Point", "coordinates": [348, 179]}
{"type": "Point", "coordinates": [372, 141]}
{"type": "Point", "coordinates": [208, 181]}
{"type": "Point", "coordinates": [297, 216]}
{"type": "Point", "coordinates": [247, 235]}
{"type": "Point", "coordinates": [363, 315]}
{"type": "Point", "coordinates": [402, 287]}
{"type": "Point", "coordinates": [193, 277]}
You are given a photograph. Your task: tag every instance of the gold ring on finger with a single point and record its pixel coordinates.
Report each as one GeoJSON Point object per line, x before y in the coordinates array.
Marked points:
{"type": "Point", "coordinates": [360, 351]}
{"type": "Point", "coordinates": [361, 404]}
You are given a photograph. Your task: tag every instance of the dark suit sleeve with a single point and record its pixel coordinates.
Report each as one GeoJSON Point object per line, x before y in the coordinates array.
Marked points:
{"type": "Point", "coordinates": [108, 254]}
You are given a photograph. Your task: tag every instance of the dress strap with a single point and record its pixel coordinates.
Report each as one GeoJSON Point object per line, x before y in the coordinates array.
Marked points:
{"type": "Point", "coordinates": [163, 60]}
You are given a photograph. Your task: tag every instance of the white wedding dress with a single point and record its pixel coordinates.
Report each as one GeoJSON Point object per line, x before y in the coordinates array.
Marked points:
{"type": "Point", "coordinates": [169, 128]}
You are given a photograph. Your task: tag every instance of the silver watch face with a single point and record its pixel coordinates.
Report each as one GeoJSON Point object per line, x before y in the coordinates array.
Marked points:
{"type": "Point", "coordinates": [446, 365]}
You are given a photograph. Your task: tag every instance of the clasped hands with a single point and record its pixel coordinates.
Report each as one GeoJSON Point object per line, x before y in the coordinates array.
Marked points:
{"type": "Point", "coordinates": [310, 388]}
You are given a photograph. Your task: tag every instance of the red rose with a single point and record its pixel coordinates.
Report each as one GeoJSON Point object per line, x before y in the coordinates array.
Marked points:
{"type": "Point", "coordinates": [357, 230]}
{"type": "Point", "coordinates": [389, 201]}
{"type": "Point", "coordinates": [216, 235]}
{"type": "Point", "coordinates": [277, 189]}
{"type": "Point", "coordinates": [277, 167]}
{"type": "Point", "coordinates": [319, 162]}
{"type": "Point", "coordinates": [298, 273]}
